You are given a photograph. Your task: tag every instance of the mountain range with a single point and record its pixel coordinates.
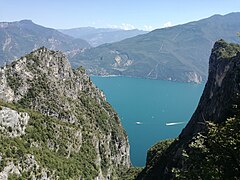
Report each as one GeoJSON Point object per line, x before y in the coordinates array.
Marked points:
{"type": "Point", "coordinates": [55, 124]}
{"type": "Point", "coordinates": [98, 36]}
{"type": "Point", "coordinates": [21, 37]}
{"type": "Point", "coordinates": [178, 53]}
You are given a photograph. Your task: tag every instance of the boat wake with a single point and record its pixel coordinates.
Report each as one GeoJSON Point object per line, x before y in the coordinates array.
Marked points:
{"type": "Point", "coordinates": [174, 123]}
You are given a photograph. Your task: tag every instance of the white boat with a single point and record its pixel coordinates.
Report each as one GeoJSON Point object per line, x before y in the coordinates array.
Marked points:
{"type": "Point", "coordinates": [138, 123]}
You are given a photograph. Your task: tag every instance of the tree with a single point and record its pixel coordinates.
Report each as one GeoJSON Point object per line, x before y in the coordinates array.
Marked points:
{"type": "Point", "coordinates": [214, 155]}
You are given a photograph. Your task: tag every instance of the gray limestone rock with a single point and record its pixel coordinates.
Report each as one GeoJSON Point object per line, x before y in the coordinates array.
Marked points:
{"type": "Point", "coordinates": [44, 82]}
{"type": "Point", "coordinates": [13, 123]}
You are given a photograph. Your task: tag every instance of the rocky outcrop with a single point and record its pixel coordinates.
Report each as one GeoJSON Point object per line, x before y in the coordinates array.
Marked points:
{"type": "Point", "coordinates": [6, 93]}
{"type": "Point", "coordinates": [13, 123]}
{"type": "Point", "coordinates": [28, 165]}
{"type": "Point", "coordinates": [219, 102]}
{"type": "Point", "coordinates": [69, 117]}
{"type": "Point", "coordinates": [193, 77]}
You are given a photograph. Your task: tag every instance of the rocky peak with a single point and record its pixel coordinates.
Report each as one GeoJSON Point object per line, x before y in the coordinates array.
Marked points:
{"type": "Point", "coordinates": [48, 69]}
{"type": "Point", "coordinates": [68, 104]}
{"type": "Point", "coordinates": [52, 63]}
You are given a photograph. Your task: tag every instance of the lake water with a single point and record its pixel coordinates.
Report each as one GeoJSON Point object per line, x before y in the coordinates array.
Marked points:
{"type": "Point", "coordinates": [146, 106]}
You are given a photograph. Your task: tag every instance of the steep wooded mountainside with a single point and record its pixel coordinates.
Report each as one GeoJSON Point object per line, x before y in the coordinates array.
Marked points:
{"type": "Point", "coordinates": [209, 146]}
{"type": "Point", "coordinates": [55, 123]}
{"type": "Point", "coordinates": [178, 53]}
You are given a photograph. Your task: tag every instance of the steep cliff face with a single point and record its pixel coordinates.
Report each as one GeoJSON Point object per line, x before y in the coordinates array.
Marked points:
{"type": "Point", "coordinates": [58, 123]}
{"type": "Point", "coordinates": [220, 99]}
{"type": "Point", "coordinates": [208, 145]}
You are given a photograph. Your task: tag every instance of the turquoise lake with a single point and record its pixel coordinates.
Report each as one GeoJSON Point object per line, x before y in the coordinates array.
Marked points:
{"type": "Point", "coordinates": [146, 107]}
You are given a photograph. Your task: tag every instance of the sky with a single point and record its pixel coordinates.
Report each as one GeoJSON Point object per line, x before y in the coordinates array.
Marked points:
{"type": "Point", "coordinates": [124, 14]}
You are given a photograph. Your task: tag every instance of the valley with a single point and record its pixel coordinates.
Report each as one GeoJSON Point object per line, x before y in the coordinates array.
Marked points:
{"type": "Point", "coordinates": [120, 90]}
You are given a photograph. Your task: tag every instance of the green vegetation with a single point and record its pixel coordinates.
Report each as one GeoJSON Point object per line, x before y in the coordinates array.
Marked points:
{"type": "Point", "coordinates": [214, 155]}
{"type": "Point", "coordinates": [64, 141]}
{"type": "Point", "coordinates": [130, 174]}
{"type": "Point", "coordinates": [72, 132]}
{"type": "Point", "coordinates": [157, 150]}
{"type": "Point", "coordinates": [38, 88]}
{"type": "Point", "coordinates": [64, 162]}
{"type": "Point", "coordinates": [14, 82]}
{"type": "Point", "coordinates": [43, 130]}
{"type": "Point", "coordinates": [166, 53]}
{"type": "Point", "coordinates": [227, 51]}
{"type": "Point", "coordinates": [48, 139]}
{"type": "Point", "coordinates": [209, 146]}
{"type": "Point", "coordinates": [81, 70]}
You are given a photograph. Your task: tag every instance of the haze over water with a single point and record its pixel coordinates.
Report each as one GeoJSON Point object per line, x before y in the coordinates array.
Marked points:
{"type": "Point", "coordinates": [150, 110]}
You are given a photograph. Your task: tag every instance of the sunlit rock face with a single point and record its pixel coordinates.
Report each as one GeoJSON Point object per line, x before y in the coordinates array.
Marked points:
{"type": "Point", "coordinates": [60, 111]}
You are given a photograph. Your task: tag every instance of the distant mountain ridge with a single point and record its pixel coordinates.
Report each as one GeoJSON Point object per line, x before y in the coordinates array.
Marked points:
{"type": "Point", "coordinates": [178, 53]}
{"type": "Point", "coordinates": [98, 36]}
{"type": "Point", "coordinates": [20, 37]}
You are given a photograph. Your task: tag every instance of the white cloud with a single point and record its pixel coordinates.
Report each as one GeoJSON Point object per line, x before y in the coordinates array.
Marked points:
{"type": "Point", "coordinates": [148, 28]}
{"type": "Point", "coordinates": [167, 24]}
{"type": "Point", "coordinates": [124, 26]}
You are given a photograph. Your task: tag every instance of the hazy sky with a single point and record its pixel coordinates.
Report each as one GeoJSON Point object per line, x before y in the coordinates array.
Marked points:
{"type": "Point", "coordinates": [128, 14]}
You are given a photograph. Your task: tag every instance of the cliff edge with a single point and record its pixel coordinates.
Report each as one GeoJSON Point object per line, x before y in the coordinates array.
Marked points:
{"type": "Point", "coordinates": [208, 146]}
